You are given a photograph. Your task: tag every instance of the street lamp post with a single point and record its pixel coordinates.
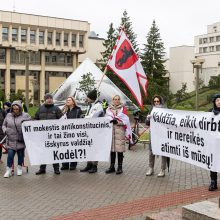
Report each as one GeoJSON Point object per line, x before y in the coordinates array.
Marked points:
{"type": "Point", "coordinates": [27, 79]}
{"type": "Point", "coordinates": [197, 64]}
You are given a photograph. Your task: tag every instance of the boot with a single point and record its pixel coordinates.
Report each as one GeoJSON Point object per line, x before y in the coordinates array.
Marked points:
{"type": "Point", "coordinates": [39, 172]}
{"type": "Point", "coordinates": [57, 171]}
{"type": "Point", "coordinates": [65, 166]}
{"type": "Point", "coordinates": [161, 173]}
{"type": "Point", "coordinates": [8, 172]}
{"type": "Point", "coordinates": [19, 170]}
{"type": "Point", "coordinates": [120, 162]}
{"type": "Point", "coordinates": [87, 168]}
{"type": "Point", "coordinates": [150, 171]}
{"type": "Point", "coordinates": [111, 169]}
{"type": "Point", "coordinates": [93, 169]}
{"type": "Point", "coordinates": [73, 165]}
{"type": "Point", "coordinates": [213, 185]}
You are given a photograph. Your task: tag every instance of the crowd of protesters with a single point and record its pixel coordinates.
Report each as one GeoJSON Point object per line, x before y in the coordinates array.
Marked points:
{"type": "Point", "coordinates": [13, 115]}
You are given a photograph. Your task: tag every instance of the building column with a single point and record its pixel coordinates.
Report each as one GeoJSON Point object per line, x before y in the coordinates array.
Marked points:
{"type": "Point", "coordinates": [7, 75]}
{"type": "Point", "coordinates": [42, 76]}
{"type": "Point", "coordinates": [10, 34]}
{"type": "Point", "coordinates": [0, 34]}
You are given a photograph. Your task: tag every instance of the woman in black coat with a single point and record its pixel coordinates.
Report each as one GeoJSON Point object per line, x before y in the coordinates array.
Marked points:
{"type": "Point", "coordinates": [216, 110]}
{"type": "Point", "coordinates": [71, 110]}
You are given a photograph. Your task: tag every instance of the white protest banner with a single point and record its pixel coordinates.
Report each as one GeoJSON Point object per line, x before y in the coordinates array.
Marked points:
{"type": "Point", "coordinates": [66, 140]}
{"type": "Point", "coordinates": [192, 137]}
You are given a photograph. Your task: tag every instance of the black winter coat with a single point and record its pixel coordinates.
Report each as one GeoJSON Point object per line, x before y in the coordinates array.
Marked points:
{"type": "Point", "coordinates": [47, 112]}
{"type": "Point", "coordinates": [2, 117]}
{"type": "Point", "coordinates": [75, 112]}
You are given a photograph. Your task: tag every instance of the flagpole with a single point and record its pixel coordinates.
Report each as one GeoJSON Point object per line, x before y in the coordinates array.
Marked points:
{"type": "Point", "coordinates": [105, 70]}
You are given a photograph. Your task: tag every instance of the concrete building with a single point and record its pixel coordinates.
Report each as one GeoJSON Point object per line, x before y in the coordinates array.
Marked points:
{"type": "Point", "coordinates": [207, 47]}
{"type": "Point", "coordinates": [53, 45]}
{"type": "Point", "coordinates": [180, 68]}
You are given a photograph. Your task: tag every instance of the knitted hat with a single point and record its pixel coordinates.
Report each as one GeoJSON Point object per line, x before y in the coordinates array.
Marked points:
{"type": "Point", "coordinates": [92, 94]}
{"type": "Point", "coordinates": [47, 96]}
{"type": "Point", "coordinates": [216, 96]}
{"type": "Point", "coordinates": [7, 104]}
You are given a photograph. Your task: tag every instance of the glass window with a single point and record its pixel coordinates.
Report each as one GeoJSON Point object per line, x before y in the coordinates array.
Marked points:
{"type": "Point", "coordinates": [205, 49]}
{"type": "Point", "coordinates": [5, 33]}
{"type": "Point", "coordinates": [57, 38]}
{"type": "Point", "coordinates": [41, 37]}
{"type": "Point", "coordinates": [218, 48]}
{"type": "Point", "coordinates": [211, 39]}
{"type": "Point", "coordinates": [49, 37]}
{"type": "Point", "coordinates": [81, 39]}
{"type": "Point", "coordinates": [200, 50]}
{"type": "Point", "coordinates": [2, 55]}
{"type": "Point", "coordinates": [200, 40]}
{"type": "Point", "coordinates": [205, 40]}
{"type": "Point", "coordinates": [14, 34]}
{"type": "Point", "coordinates": [217, 38]}
{"type": "Point", "coordinates": [66, 39]}
{"type": "Point", "coordinates": [23, 35]}
{"type": "Point", "coordinates": [33, 37]}
{"type": "Point", "coordinates": [73, 40]}
{"type": "Point", "coordinates": [211, 49]}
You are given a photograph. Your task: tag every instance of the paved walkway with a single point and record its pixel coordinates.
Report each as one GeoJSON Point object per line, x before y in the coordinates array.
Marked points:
{"type": "Point", "coordinates": [75, 195]}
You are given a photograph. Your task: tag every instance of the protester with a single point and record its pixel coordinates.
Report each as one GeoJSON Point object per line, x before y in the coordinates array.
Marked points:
{"type": "Point", "coordinates": [159, 103]}
{"type": "Point", "coordinates": [116, 112]}
{"type": "Point", "coordinates": [94, 110]}
{"type": "Point", "coordinates": [71, 110]}
{"type": "Point", "coordinates": [48, 111]}
{"type": "Point", "coordinates": [7, 107]}
{"type": "Point", "coordinates": [2, 117]}
{"type": "Point", "coordinates": [104, 105]}
{"type": "Point", "coordinates": [12, 128]}
{"type": "Point", "coordinates": [216, 110]}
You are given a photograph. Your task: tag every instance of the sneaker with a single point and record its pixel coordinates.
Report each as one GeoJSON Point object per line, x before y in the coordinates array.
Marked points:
{"type": "Point", "coordinates": [150, 172]}
{"type": "Point", "coordinates": [161, 173]}
{"type": "Point", "coordinates": [19, 170]}
{"type": "Point", "coordinates": [8, 172]}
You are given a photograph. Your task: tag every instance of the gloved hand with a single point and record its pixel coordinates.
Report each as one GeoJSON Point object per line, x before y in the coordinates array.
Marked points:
{"type": "Point", "coordinates": [215, 112]}
{"type": "Point", "coordinates": [114, 121]}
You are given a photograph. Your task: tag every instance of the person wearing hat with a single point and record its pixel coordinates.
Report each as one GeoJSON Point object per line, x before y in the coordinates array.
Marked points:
{"type": "Point", "coordinates": [94, 110]}
{"type": "Point", "coordinates": [216, 110]}
{"type": "Point", "coordinates": [48, 111]}
{"type": "Point", "coordinates": [7, 107]}
{"type": "Point", "coordinates": [71, 110]}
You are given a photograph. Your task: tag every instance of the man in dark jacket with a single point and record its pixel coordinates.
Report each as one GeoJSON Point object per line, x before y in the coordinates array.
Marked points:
{"type": "Point", "coordinates": [216, 110]}
{"type": "Point", "coordinates": [46, 112]}
{"type": "Point", "coordinates": [71, 110]}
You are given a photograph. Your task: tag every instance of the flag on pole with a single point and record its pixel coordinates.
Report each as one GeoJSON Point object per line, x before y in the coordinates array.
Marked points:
{"type": "Point", "coordinates": [125, 63]}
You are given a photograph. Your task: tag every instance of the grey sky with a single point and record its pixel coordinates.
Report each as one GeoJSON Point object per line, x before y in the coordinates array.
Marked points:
{"type": "Point", "coordinates": [178, 20]}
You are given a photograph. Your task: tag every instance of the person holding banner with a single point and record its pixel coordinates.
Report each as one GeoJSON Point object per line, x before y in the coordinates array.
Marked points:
{"type": "Point", "coordinates": [12, 128]}
{"type": "Point", "coordinates": [216, 110]}
{"type": "Point", "coordinates": [48, 111]}
{"type": "Point", "coordinates": [94, 110]}
{"type": "Point", "coordinates": [116, 112]}
{"type": "Point", "coordinates": [71, 110]}
{"type": "Point", "coordinates": [159, 103]}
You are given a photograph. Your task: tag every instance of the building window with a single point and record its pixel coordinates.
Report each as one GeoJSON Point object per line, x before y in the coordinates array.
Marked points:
{"type": "Point", "coordinates": [2, 55]}
{"type": "Point", "coordinates": [58, 39]}
{"type": "Point", "coordinates": [41, 37]}
{"type": "Point", "coordinates": [218, 48]}
{"type": "Point", "coordinates": [33, 37]}
{"type": "Point", "coordinates": [24, 35]}
{"type": "Point", "coordinates": [65, 39]}
{"type": "Point", "coordinates": [49, 38]}
{"type": "Point", "coordinates": [81, 39]}
{"type": "Point", "coordinates": [205, 49]}
{"type": "Point", "coordinates": [211, 49]}
{"type": "Point", "coordinates": [205, 40]}
{"type": "Point", "coordinates": [14, 34]}
{"type": "Point", "coordinates": [200, 50]}
{"type": "Point", "coordinates": [211, 39]}
{"type": "Point", "coordinates": [73, 40]}
{"type": "Point", "coordinates": [217, 38]}
{"type": "Point", "coordinates": [5, 33]}
{"type": "Point", "coordinates": [200, 40]}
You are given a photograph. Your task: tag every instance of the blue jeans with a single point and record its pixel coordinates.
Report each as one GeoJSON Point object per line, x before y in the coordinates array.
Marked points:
{"type": "Point", "coordinates": [11, 154]}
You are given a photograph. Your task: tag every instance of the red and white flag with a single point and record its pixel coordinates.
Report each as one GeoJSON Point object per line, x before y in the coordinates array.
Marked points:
{"type": "Point", "coordinates": [125, 63]}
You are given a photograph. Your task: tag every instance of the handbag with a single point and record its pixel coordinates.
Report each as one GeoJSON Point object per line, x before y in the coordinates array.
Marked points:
{"type": "Point", "coordinates": [20, 134]}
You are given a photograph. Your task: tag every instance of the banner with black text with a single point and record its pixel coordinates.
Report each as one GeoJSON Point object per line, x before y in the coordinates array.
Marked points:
{"type": "Point", "coordinates": [67, 140]}
{"type": "Point", "coordinates": [189, 136]}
